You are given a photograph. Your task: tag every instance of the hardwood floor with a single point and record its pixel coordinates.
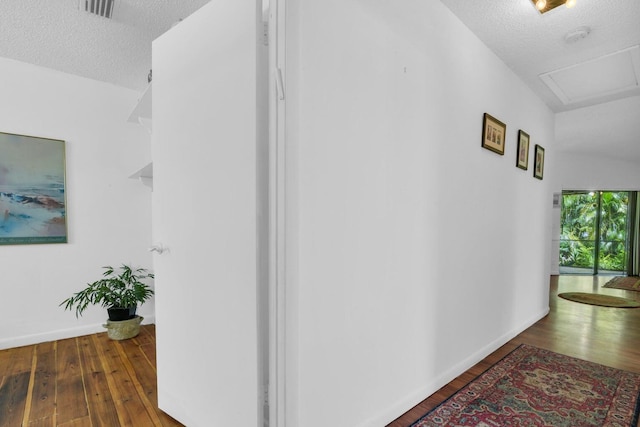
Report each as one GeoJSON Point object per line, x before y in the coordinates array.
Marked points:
{"type": "Point", "coordinates": [92, 381]}
{"type": "Point", "coordinates": [88, 381]}
{"type": "Point", "coordinates": [609, 336]}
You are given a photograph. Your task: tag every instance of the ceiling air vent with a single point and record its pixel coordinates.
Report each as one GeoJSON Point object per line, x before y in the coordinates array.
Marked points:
{"type": "Point", "coordinates": [102, 8]}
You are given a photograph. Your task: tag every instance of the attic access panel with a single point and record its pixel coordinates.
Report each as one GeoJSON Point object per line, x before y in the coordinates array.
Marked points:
{"type": "Point", "coordinates": [611, 74]}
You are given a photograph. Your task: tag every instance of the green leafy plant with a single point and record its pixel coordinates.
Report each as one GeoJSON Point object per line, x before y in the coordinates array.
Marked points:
{"type": "Point", "coordinates": [122, 288]}
{"type": "Point", "coordinates": [594, 218]}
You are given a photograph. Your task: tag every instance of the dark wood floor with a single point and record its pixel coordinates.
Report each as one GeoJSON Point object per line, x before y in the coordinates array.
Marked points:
{"type": "Point", "coordinates": [89, 381]}
{"type": "Point", "coordinates": [93, 381]}
{"type": "Point", "coordinates": [610, 336]}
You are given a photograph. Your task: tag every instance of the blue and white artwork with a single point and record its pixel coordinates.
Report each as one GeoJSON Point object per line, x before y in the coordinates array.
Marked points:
{"type": "Point", "coordinates": [32, 190]}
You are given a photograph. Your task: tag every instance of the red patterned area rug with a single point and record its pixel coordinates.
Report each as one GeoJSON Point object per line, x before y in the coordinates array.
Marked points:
{"type": "Point", "coordinates": [629, 283]}
{"type": "Point", "coordinates": [533, 387]}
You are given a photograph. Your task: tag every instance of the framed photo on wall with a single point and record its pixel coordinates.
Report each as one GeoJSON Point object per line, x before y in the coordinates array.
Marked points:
{"type": "Point", "coordinates": [32, 190]}
{"type": "Point", "coordinates": [493, 134]}
{"type": "Point", "coordinates": [538, 169]}
{"type": "Point", "coordinates": [523, 150]}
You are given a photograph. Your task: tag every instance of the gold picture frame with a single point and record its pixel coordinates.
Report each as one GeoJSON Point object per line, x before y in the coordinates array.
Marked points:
{"type": "Point", "coordinates": [493, 134]}
{"type": "Point", "coordinates": [522, 161]}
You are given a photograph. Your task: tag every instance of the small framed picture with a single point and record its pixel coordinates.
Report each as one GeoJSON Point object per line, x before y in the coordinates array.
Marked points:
{"type": "Point", "coordinates": [538, 168]}
{"type": "Point", "coordinates": [523, 150]}
{"type": "Point", "coordinates": [493, 134]}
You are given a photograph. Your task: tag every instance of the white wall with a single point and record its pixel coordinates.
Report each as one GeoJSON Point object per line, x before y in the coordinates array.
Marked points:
{"type": "Point", "coordinates": [597, 147]}
{"type": "Point", "coordinates": [581, 135]}
{"type": "Point", "coordinates": [590, 172]}
{"type": "Point", "coordinates": [582, 171]}
{"type": "Point", "coordinates": [108, 214]}
{"type": "Point", "coordinates": [413, 252]}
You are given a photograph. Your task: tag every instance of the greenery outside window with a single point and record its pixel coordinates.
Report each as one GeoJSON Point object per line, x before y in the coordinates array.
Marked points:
{"type": "Point", "coordinates": [594, 232]}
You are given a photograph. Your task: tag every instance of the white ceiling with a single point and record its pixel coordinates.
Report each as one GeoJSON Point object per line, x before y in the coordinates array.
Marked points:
{"type": "Point", "coordinates": [532, 44]}
{"type": "Point", "coordinates": [602, 115]}
{"type": "Point", "coordinates": [59, 34]}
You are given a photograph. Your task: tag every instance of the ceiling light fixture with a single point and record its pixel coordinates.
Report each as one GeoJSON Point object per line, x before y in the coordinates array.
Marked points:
{"type": "Point", "coordinates": [545, 6]}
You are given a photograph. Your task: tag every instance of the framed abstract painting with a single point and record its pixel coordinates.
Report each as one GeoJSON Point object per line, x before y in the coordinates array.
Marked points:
{"type": "Point", "coordinates": [32, 190]}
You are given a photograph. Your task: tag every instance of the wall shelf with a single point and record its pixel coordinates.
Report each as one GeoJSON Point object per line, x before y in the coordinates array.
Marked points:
{"type": "Point", "coordinates": [142, 113]}
{"type": "Point", "coordinates": [145, 175]}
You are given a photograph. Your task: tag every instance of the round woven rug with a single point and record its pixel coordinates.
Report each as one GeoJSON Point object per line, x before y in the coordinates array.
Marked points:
{"type": "Point", "coordinates": [599, 299]}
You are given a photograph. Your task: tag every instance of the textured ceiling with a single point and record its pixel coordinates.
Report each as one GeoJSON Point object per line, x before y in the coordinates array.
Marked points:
{"type": "Point", "coordinates": [532, 44]}
{"type": "Point", "coordinates": [59, 34]}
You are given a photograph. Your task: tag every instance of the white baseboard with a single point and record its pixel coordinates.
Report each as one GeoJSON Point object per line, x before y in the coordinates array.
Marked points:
{"type": "Point", "coordinates": [411, 400]}
{"type": "Point", "coordinates": [60, 334]}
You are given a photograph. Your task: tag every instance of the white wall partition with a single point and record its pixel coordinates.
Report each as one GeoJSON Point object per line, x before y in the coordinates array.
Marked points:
{"type": "Point", "coordinates": [205, 152]}
{"type": "Point", "coordinates": [413, 252]}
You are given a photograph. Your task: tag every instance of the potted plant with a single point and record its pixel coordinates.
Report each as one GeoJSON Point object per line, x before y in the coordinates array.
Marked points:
{"type": "Point", "coordinates": [120, 291]}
